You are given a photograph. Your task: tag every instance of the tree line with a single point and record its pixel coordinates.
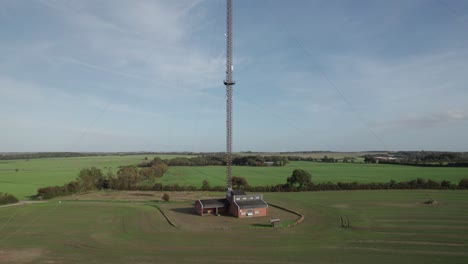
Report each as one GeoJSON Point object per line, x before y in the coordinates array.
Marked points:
{"type": "Point", "coordinates": [89, 179]}
{"type": "Point", "coordinates": [421, 158]}
{"type": "Point", "coordinates": [130, 178]}
{"type": "Point", "coordinates": [41, 155]}
{"type": "Point", "coordinates": [220, 160]}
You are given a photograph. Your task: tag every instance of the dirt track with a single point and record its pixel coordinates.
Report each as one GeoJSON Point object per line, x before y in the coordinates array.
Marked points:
{"type": "Point", "coordinates": [22, 203]}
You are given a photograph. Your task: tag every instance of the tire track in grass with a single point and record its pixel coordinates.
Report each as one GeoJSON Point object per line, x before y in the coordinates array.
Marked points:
{"type": "Point", "coordinates": [405, 242]}
{"type": "Point", "coordinates": [396, 251]}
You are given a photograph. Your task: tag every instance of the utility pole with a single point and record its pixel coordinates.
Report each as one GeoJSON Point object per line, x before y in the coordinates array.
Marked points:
{"type": "Point", "coordinates": [229, 82]}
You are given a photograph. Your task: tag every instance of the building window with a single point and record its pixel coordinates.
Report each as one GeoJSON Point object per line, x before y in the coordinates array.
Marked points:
{"type": "Point", "coordinates": [237, 199]}
{"type": "Point", "coordinates": [257, 212]}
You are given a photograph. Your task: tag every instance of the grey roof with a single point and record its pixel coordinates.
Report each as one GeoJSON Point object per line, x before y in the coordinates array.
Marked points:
{"type": "Point", "coordinates": [237, 192]}
{"type": "Point", "coordinates": [213, 203]}
{"type": "Point", "coordinates": [248, 204]}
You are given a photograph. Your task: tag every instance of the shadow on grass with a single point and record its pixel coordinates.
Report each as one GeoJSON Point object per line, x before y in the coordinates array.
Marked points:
{"type": "Point", "coordinates": [261, 225]}
{"type": "Point", "coordinates": [191, 211]}
{"type": "Point", "coordinates": [184, 210]}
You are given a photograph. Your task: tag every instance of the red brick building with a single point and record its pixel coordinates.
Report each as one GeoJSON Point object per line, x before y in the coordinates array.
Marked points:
{"type": "Point", "coordinates": [211, 206]}
{"type": "Point", "coordinates": [237, 203]}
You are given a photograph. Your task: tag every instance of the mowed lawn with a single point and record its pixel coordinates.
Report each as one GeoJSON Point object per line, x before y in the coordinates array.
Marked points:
{"type": "Point", "coordinates": [321, 172]}
{"type": "Point", "coordinates": [386, 227]}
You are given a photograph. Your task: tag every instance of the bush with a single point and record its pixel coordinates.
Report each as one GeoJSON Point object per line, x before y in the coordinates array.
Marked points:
{"type": "Point", "coordinates": [205, 186]}
{"type": "Point", "coordinates": [463, 184]}
{"type": "Point", "coordinates": [166, 197]}
{"type": "Point", "coordinates": [239, 182]}
{"type": "Point", "coordinates": [6, 198]}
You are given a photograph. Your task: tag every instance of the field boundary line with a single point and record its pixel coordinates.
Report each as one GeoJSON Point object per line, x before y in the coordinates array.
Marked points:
{"type": "Point", "coordinates": [298, 221]}
{"type": "Point", "coordinates": [164, 214]}
{"type": "Point", "coordinates": [21, 203]}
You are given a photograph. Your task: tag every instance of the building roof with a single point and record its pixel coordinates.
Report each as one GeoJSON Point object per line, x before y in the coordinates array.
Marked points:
{"type": "Point", "coordinates": [248, 204]}
{"type": "Point", "coordinates": [213, 203]}
{"type": "Point", "coordinates": [237, 192]}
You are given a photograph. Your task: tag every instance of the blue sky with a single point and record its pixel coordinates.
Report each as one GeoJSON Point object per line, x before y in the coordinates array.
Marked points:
{"type": "Point", "coordinates": [311, 75]}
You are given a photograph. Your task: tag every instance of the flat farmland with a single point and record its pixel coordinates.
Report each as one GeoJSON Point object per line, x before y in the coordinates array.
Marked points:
{"type": "Point", "coordinates": [386, 227]}
{"type": "Point", "coordinates": [22, 178]}
{"type": "Point", "coordinates": [321, 172]}
{"type": "Point", "coordinates": [35, 173]}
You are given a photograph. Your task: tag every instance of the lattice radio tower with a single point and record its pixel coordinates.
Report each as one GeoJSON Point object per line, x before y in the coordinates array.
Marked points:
{"type": "Point", "coordinates": [229, 82]}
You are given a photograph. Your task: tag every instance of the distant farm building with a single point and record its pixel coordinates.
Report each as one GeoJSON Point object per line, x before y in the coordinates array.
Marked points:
{"type": "Point", "coordinates": [237, 203]}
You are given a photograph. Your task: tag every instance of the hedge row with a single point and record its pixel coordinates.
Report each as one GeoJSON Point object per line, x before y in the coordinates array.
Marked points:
{"type": "Point", "coordinates": [6, 198]}
{"type": "Point", "coordinates": [73, 187]}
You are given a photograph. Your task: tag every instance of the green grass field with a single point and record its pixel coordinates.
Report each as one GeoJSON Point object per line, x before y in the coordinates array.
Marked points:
{"type": "Point", "coordinates": [386, 227]}
{"type": "Point", "coordinates": [37, 173]}
{"type": "Point", "coordinates": [321, 172]}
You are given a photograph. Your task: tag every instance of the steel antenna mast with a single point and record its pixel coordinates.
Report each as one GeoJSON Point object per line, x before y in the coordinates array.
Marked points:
{"type": "Point", "coordinates": [229, 82]}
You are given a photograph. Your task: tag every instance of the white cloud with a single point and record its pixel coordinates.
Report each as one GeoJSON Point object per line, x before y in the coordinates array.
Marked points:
{"type": "Point", "coordinates": [145, 40]}
{"type": "Point", "coordinates": [434, 119]}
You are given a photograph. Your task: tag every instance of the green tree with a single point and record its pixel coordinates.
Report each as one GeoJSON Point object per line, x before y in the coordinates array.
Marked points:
{"type": "Point", "coordinates": [463, 184]}
{"type": "Point", "coordinates": [127, 177]}
{"type": "Point", "coordinates": [299, 177]}
{"type": "Point", "coordinates": [89, 178]}
{"type": "Point", "coordinates": [239, 182]}
{"type": "Point", "coordinates": [205, 186]}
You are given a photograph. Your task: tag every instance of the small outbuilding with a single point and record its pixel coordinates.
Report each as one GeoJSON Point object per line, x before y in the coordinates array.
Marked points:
{"type": "Point", "coordinates": [275, 222]}
{"type": "Point", "coordinates": [211, 206]}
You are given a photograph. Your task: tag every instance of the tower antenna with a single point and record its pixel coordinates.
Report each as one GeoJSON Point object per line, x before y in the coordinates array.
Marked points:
{"type": "Point", "coordinates": [229, 82]}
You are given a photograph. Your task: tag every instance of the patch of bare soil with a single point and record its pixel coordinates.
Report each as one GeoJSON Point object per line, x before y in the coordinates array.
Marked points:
{"type": "Point", "coordinates": [20, 255]}
{"type": "Point", "coordinates": [139, 196]}
{"type": "Point", "coordinates": [185, 217]}
{"type": "Point", "coordinates": [22, 203]}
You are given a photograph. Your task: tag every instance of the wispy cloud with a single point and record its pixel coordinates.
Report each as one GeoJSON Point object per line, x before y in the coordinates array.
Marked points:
{"type": "Point", "coordinates": [145, 40]}
{"type": "Point", "coordinates": [157, 67]}
{"type": "Point", "coordinates": [411, 121]}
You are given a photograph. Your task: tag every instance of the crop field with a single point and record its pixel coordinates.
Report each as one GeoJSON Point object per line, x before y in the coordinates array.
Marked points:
{"type": "Point", "coordinates": [385, 227]}
{"type": "Point", "coordinates": [22, 177]}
